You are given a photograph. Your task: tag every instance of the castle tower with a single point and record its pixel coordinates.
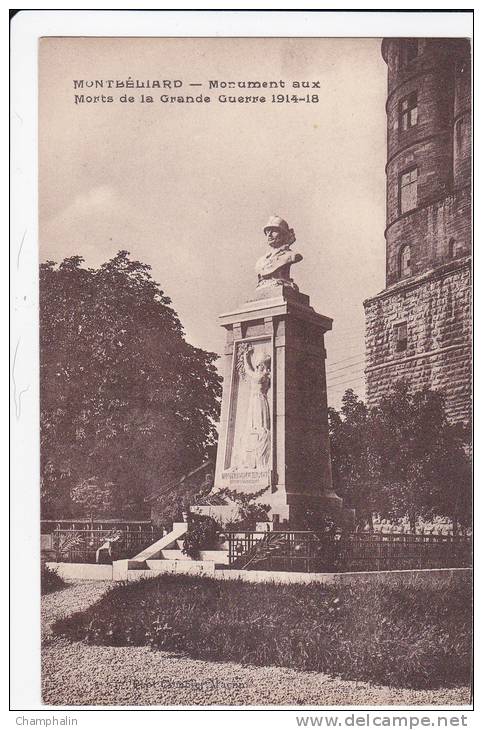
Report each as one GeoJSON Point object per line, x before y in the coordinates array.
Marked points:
{"type": "Point", "coordinates": [419, 326]}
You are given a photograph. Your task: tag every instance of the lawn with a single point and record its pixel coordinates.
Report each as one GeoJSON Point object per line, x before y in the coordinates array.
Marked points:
{"type": "Point", "coordinates": [403, 636]}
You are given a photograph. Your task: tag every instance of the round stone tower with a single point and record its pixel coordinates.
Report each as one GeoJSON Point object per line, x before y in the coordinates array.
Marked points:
{"type": "Point", "coordinates": [428, 149]}
{"type": "Point", "coordinates": [419, 327]}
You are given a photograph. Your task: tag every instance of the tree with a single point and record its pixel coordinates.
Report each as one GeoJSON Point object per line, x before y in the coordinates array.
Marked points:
{"type": "Point", "coordinates": [354, 460]}
{"type": "Point", "coordinates": [125, 400]}
{"type": "Point", "coordinates": [453, 477]}
{"type": "Point", "coordinates": [93, 500]}
{"type": "Point", "coordinates": [402, 457]}
{"type": "Point", "coordinates": [411, 426]}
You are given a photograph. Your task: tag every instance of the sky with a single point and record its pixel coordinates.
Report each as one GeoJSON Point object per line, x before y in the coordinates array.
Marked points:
{"type": "Point", "coordinates": [188, 188]}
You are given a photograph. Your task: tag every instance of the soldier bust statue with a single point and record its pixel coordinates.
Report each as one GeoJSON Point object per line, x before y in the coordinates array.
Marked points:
{"type": "Point", "coordinates": [274, 266]}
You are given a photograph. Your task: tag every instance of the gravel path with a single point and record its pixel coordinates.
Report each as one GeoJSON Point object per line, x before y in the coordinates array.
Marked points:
{"type": "Point", "coordinates": [79, 674]}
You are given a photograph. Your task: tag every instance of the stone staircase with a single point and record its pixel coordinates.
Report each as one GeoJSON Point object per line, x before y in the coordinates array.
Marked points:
{"type": "Point", "coordinates": [166, 556]}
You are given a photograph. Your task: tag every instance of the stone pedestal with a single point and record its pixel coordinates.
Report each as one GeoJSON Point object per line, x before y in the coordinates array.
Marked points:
{"type": "Point", "coordinates": [281, 330]}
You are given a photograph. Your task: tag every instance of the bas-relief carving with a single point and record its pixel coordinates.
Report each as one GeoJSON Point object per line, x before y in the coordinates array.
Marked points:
{"type": "Point", "coordinates": [254, 447]}
{"type": "Point", "coordinates": [273, 268]}
{"type": "Point", "coordinates": [249, 439]}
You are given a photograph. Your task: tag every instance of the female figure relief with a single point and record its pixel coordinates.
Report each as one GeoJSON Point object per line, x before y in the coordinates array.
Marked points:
{"type": "Point", "coordinates": [255, 446]}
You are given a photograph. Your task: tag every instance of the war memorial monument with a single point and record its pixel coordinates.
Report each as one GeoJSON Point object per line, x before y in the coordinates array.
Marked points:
{"type": "Point", "coordinates": [273, 431]}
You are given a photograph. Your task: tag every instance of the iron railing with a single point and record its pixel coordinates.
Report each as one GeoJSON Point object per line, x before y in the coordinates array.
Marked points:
{"type": "Point", "coordinates": [306, 551]}
{"type": "Point", "coordinates": [74, 545]}
{"type": "Point", "coordinates": [369, 551]}
{"type": "Point", "coordinates": [83, 523]}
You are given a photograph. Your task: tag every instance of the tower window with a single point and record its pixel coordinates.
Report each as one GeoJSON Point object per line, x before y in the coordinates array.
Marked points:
{"type": "Point", "coordinates": [405, 262]}
{"type": "Point", "coordinates": [408, 111]}
{"type": "Point", "coordinates": [408, 190]}
{"type": "Point", "coordinates": [408, 51]}
{"type": "Point", "coordinates": [401, 336]}
{"type": "Point", "coordinates": [452, 248]}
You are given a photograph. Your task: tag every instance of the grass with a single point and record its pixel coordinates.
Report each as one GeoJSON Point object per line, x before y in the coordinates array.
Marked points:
{"type": "Point", "coordinates": [413, 636]}
{"type": "Point", "coordinates": [50, 580]}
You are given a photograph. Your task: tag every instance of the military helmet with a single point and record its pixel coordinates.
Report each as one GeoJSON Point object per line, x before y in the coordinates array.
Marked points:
{"type": "Point", "coordinates": [275, 221]}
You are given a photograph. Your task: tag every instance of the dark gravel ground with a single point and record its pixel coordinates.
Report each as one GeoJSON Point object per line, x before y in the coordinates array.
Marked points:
{"type": "Point", "coordinates": [79, 674]}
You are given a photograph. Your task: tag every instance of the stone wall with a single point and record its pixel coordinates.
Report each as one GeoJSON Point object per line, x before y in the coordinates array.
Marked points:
{"type": "Point", "coordinates": [437, 309]}
{"type": "Point", "coordinates": [429, 231]}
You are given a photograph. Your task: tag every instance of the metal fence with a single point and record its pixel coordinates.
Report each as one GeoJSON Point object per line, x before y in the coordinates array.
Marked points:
{"type": "Point", "coordinates": [83, 523]}
{"type": "Point", "coordinates": [345, 552]}
{"type": "Point", "coordinates": [79, 545]}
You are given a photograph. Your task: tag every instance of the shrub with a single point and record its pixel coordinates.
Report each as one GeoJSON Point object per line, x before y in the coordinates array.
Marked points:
{"type": "Point", "coordinates": [403, 636]}
{"type": "Point", "coordinates": [203, 533]}
{"type": "Point", "coordinates": [50, 580]}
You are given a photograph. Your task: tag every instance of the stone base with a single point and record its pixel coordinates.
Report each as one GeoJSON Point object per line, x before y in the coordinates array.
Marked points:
{"type": "Point", "coordinates": [279, 289]}
{"type": "Point", "coordinates": [293, 514]}
{"type": "Point", "coordinates": [332, 502]}
{"type": "Point", "coordinates": [283, 513]}
{"type": "Point", "coordinates": [333, 505]}
{"type": "Point", "coordinates": [222, 513]}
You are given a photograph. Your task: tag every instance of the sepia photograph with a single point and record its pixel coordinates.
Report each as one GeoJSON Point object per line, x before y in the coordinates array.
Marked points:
{"type": "Point", "coordinates": [255, 371]}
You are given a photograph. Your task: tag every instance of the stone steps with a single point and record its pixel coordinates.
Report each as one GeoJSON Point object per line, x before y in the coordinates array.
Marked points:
{"type": "Point", "coordinates": [166, 556]}
{"type": "Point", "coordinates": [166, 542]}
{"type": "Point", "coordinates": [218, 556]}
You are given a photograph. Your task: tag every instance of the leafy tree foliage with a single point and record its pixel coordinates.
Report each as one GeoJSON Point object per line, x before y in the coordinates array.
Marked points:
{"type": "Point", "coordinates": [126, 402]}
{"type": "Point", "coordinates": [354, 460]}
{"type": "Point", "coordinates": [402, 458]}
{"type": "Point", "coordinates": [93, 500]}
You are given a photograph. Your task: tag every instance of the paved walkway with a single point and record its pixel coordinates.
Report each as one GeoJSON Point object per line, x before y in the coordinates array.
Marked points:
{"type": "Point", "coordinates": [80, 674]}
